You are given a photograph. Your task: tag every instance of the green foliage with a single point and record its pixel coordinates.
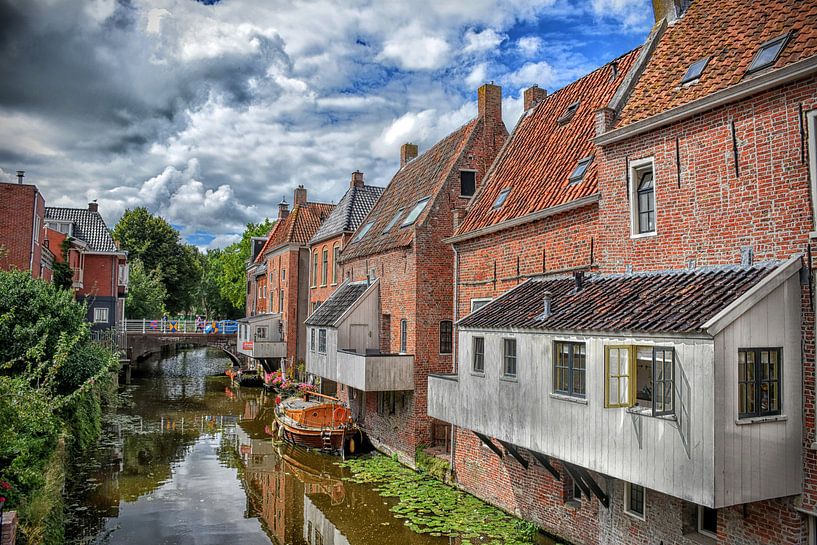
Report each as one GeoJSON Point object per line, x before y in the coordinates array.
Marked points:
{"type": "Point", "coordinates": [62, 274]}
{"type": "Point", "coordinates": [155, 242]}
{"type": "Point", "coordinates": [146, 293]}
{"type": "Point", "coordinates": [434, 466]}
{"type": "Point", "coordinates": [431, 507]}
{"type": "Point", "coordinates": [232, 263]}
{"type": "Point", "coordinates": [210, 299]}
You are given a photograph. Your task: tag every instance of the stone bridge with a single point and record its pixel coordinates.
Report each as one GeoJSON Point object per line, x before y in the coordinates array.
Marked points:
{"type": "Point", "coordinates": [146, 337]}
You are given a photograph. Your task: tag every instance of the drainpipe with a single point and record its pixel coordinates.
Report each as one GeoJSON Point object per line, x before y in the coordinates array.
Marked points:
{"type": "Point", "coordinates": [34, 237]}
{"type": "Point", "coordinates": [454, 343]}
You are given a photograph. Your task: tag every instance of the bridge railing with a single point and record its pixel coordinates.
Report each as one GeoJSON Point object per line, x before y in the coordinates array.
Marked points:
{"type": "Point", "coordinates": [163, 326]}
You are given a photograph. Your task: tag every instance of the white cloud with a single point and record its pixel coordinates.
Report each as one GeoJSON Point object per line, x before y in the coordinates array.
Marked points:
{"type": "Point", "coordinates": [540, 73]}
{"type": "Point", "coordinates": [529, 45]}
{"type": "Point", "coordinates": [631, 13]}
{"type": "Point", "coordinates": [478, 75]}
{"type": "Point", "coordinates": [411, 48]}
{"type": "Point", "coordinates": [477, 42]}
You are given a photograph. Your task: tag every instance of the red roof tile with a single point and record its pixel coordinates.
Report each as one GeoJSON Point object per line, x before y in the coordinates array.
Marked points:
{"type": "Point", "coordinates": [730, 31]}
{"type": "Point", "coordinates": [297, 228]}
{"type": "Point", "coordinates": [542, 153]}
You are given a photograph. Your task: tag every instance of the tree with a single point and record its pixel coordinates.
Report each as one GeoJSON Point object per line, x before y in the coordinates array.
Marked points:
{"type": "Point", "coordinates": [232, 279]}
{"type": "Point", "coordinates": [211, 300]}
{"type": "Point", "coordinates": [155, 242]}
{"type": "Point", "coordinates": [146, 293]}
{"type": "Point", "coordinates": [62, 273]}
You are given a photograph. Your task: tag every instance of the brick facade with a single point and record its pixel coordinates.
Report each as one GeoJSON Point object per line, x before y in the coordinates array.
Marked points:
{"type": "Point", "coordinates": [22, 228]}
{"type": "Point", "coordinates": [320, 289]}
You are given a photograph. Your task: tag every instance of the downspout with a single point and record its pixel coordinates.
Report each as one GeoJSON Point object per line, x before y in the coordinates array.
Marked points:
{"type": "Point", "coordinates": [455, 344]}
{"type": "Point", "coordinates": [33, 235]}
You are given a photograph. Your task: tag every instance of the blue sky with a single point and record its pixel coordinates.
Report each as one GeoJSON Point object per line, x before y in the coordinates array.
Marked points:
{"type": "Point", "coordinates": [208, 113]}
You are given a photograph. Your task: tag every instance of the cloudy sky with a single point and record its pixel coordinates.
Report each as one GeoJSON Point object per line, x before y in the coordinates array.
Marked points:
{"type": "Point", "coordinates": [209, 112]}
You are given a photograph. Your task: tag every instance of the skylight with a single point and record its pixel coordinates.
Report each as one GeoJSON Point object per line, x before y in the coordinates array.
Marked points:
{"type": "Point", "coordinates": [415, 212]}
{"type": "Point", "coordinates": [768, 53]}
{"type": "Point", "coordinates": [580, 170]}
{"type": "Point", "coordinates": [393, 220]}
{"type": "Point", "coordinates": [500, 199]}
{"type": "Point", "coordinates": [569, 112]}
{"type": "Point", "coordinates": [363, 232]}
{"type": "Point", "coordinates": [695, 70]}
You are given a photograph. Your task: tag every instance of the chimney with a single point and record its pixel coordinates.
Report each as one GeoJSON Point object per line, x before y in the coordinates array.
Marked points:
{"type": "Point", "coordinates": [407, 153]}
{"type": "Point", "coordinates": [20, 174]}
{"type": "Point", "coordinates": [578, 277]}
{"type": "Point", "coordinates": [357, 179]}
{"type": "Point", "coordinates": [283, 209]}
{"type": "Point", "coordinates": [300, 196]}
{"type": "Point", "coordinates": [669, 9]}
{"type": "Point", "coordinates": [533, 96]}
{"type": "Point", "coordinates": [93, 206]}
{"type": "Point", "coordinates": [547, 300]}
{"type": "Point", "coordinates": [489, 102]}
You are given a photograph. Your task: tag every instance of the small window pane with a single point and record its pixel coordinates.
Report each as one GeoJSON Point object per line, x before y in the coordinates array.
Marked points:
{"type": "Point", "coordinates": [510, 357]}
{"type": "Point", "coordinates": [403, 335]}
{"type": "Point", "coordinates": [415, 212]}
{"type": "Point", "coordinates": [695, 70]}
{"type": "Point", "coordinates": [580, 170]}
{"type": "Point", "coordinates": [322, 341]}
{"type": "Point", "coordinates": [500, 200]}
{"type": "Point", "coordinates": [479, 354]}
{"type": "Point", "coordinates": [768, 53]}
{"type": "Point", "coordinates": [359, 236]}
{"type": "Point", "coordinates": [393, 220]}
{"type": "Point", "coordinates": [468, 183]}
{"type": "Point", "coordinates": [446, 336]}
{"type": "Point", "coordinates": [569, 112]}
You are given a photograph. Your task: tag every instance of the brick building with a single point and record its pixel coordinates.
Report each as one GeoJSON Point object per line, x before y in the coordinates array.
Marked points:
{"type": "Point", "coordinates": [278, 286]}
{"type": "Point", "coordinates": [597, 414]}
{"type": "Point", "coordinates": [100, 269]}
{"type": "Point", "coordinates": [402, 326]}
{"type": "Point", "coordinates": [22, 229]}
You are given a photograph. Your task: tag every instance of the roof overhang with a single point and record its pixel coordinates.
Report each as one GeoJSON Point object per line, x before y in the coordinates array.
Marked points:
{"type": "Point", "coordinates": [757, 84]}
{"type": "Point", "coordinates": [117, 254]}
{"type": "Point", "coordinates": [372, 287]}
{"type": "Point", "coordinates": [566, 334]}
{"type": "Point", "coordinates": [515, 222]}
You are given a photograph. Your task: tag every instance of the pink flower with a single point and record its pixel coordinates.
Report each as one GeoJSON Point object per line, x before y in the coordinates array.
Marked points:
{"type": "Point", "coordinates": [5, 486]}
{"type": "Point", "coordinates": [2, 499]}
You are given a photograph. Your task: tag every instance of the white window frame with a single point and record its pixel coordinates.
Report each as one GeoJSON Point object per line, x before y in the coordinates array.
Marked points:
{"type": "Point", "coordinates": [98, 311]}
{"type": "Point", "coordinates": [478, 300]}
{"type": "Point", "coordinates": [505, 355]}
{"type": "Point", "coordinates": [312, 339]}
{"type": "Point", "coordinates": [627, 492]}
{"type": "Point", "coordinates": [699, 524]}
{"type": "Point", "coordinates": [322, 337]}
{"type": "Point", "coordinates": [636, 166]}
{"type": "Point", "coordinates": [261, 332]}
{"type": "Point", "coordinates": [811, 126]}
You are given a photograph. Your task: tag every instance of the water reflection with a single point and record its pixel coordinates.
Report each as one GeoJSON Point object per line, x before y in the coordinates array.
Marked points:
{"type": "Point", "coordinates": [187, 459]}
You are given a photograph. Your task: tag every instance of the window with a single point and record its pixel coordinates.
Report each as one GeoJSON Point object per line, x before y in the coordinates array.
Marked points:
{"type": "Point", "coordinates": [580, 170]}
{"type": "Point", "coordinates": [477, 304]}
{"type": "Point", "coordinates": [393, 220]}
{"type": "Point", "coordinates": [312, 339]}
{"type": "Point", "coordinates": [100, 315]}
{"type": "Point", "coordinates": [569, 364]}
{"type": "Point", "coordinates": [283, 275]}
{"type": "Point", "coordinates": [641, 376]}
{"type": "Point", "coordinates": [386, 403]}
{"type": "Point", "coordinates": [261, 332]}
{"type": "Point", "coordinates": [321, 341]}
{"type": "Point", "coordinates": [500, 199]}
{"type": "Point", "coordinates": [577, 491]}
{"type": "Point", "coordinates": [362, 232]}
{"type": "Point", "coordinates": [403, 335]}
{"type": "Point", "coordinates": [468, 183]}
{"type": "Point", "coordinates": [415, 212]}
{"type": "Point", "coordinates": [335, 264]}
{"type": "Point", "coordinates": [634, 500]}
{"type": "Point", "coordinates": [768, 53]}
{"type": "Point", "coordinates": [479, 355]}
{"type": "Point", "coordinates": [708, 521]}
{"type": "Point", "coordinates": [281, 300]}
{"type": "Point", "coordinates": [695, 70]}
{"type": "Point", "coordinates": [325, 269]}
{"type": "Point", "coordinates": [617, 364]}
{"type": "Point", "coordinates": [643, 198]}
{"type": "Point", "coordinates": [759, 381]}
{"type": "Point", "coordinates": [569, 112]}
{"type": "Point", "coordinates": [446, 336]}
{"type": "Point", "coordinates": [315, 269]}
{"type": "Point", "coordinates": [509, 357]}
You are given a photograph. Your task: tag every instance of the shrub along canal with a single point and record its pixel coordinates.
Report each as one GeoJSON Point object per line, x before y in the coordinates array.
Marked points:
{"type": "Point", "coordinates": [185, 458]}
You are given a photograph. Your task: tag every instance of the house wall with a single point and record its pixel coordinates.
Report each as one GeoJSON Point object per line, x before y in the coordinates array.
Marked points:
{"type": "Point", "coordinates": [99, 276]}
{"type": "Point", "coordinates": [364, 312]}
{"type": "Point", "coordinates": [295, 286]}
{"type": "Point", "coordinates": [318, 291]}
{"type": "Point", "coordinates": [19, 203]}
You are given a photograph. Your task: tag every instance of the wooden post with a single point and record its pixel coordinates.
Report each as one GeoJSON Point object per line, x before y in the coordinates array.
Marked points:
{"type": "Point", "coordinates": [8, 530]}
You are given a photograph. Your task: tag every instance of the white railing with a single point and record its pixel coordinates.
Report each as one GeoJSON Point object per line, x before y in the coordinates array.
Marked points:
{"type": "Point", "coordinates": [165, 326]}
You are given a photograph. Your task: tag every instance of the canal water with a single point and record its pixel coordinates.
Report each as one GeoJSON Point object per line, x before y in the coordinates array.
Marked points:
{"type": "Point", "coordinates": [186, 459]}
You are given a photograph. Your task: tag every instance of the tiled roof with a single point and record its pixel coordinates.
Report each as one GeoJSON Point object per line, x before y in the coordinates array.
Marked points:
{"type": "Point", "coordinates": [421, 177]}
{"type": "Point", "coordinates": [349, 212]}
{"type": "Point", "coordinates": [730, 31]}
{"type": "Point", "coordinates": [541, 154]}
{"type": "Point", "coordinates": [338, 303]}
{"type": "Point", "coordinates": [670, 301]}
{"type": "Point", "coordinates": [88, 227]}
{"type": "Point", "coordinates": [297, 228]}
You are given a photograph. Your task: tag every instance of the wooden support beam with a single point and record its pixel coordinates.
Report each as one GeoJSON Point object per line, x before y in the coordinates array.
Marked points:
{"type": "Point", "coordinates": [514, 452]}
{"type": "Point", "coordinates": [589, 482]}
{"type": "Point", "coordinates": [577, 478]}
{"type": "Point", "coordinates": [490, 444]}
{"type": "Point", "coordinates": [545, 461]}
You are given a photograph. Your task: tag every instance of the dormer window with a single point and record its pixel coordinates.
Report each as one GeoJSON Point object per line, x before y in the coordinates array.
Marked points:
{"type": "Point", "coordinates": [580, 170]}
{"type": "Point", "coordinates": [393, 221]}
{"type": "Point", "coordinates": [695, 70]}
{"type": "Point", "coordinates": [569, 113]}
{"type": "Point", "coordinates": [768, 53]}
{"type": "Point", "coordinates": [415, 212]}
{"type": "Point", "coordinates": [500, 199]}
{"type": "Point", "coordinates": [361, 234]}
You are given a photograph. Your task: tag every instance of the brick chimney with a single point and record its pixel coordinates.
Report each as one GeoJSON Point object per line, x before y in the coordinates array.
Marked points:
{"type": "Point", "coordinates": [300, 196]}
{"type": "Point", "coordinates": [489, 102]}
{"type": "Point", "coordinates": [357, 179]}
{"type": "Point", "coordinates": [407, 153]}
{"type": "Point", "coordinates": [533, 96]}
{"type": "Point", "coordinates": [93, 206]}
{"type": "Point", "coordinates": [669, 9]}
{"type": "Point", "coordinates": [283, 209]}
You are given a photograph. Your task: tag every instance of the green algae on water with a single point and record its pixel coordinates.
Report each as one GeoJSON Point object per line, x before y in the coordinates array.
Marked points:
{"type": "Point", "coordinates": [431, 507]}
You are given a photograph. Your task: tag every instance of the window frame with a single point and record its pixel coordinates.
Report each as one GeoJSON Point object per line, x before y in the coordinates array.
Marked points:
{"type": "Point", "coordinates": [485, 300]}
{"type": "Point", "coordinates": [628, 497]}
{"type": "Point", "coordinates": [419, 208]}
{"type": "Point", "coordinates": [324, 266]}
{"type": "Point", "coordinates": [501, 198]}
{"type": "Point", "coordinates": [577, 178]}
{"type": "Point", "coordinates": [478, 355]}
{"type": "Point", "coordinates": [699, 522]}
{"type": "Point", "coordinates": [506, 356]}
{"type": "Point", "coordinates": [403, 336]}
{"type": "Point", "coordinates": [470, 171]}
{"type": "Point", "coordinates": [362, 233]}
{"type": "Point", "coordinates": [322, 340]}
{"type": "Point", "coordinates": [104, 311]}
{"type": "Point", "coordinates": [758, 381]}
{"type": "Point", "coordinates": [447, 342]}
{"type": "Point", "coordinates": [261, 332]}
{"type": "Point", "coordinates": [782, 39]}
{"type": "Point", "coordinates": [688, 77]}
{"type": "Point", "coordinates": [811, 125]}
{"type": "Point", "coordinates": [393, 221]}
{"type": "Point", "coordinates": [634, 177]}
{"type": "Point", "coordinates": [569, 367]}
{"type": "Point", "coordinates": [315, 268]}
{"type": "Point", "coordinates": [312, 344]}
{"type": "Point", "coordinates": [632, 377]}
{"type": "Point", "coordinates": [608, 404]}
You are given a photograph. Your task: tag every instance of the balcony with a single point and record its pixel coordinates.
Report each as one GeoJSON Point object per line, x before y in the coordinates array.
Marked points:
{"type": "Point", "coordinates": [443, 391]}
{"type": "Point", "coordinates": [375, 372]}
{"type": "Point", "coordinates": [262, 336]}
{"type": "Point", "coordinates": [263, 349]}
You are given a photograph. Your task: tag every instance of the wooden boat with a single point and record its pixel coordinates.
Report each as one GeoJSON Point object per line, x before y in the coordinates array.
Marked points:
{"type": "Point", "coordinates": [317, 421]}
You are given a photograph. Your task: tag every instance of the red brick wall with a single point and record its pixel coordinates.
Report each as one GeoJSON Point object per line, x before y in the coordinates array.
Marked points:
{"type": "Point", "coordinates": [16, 224]}
{"type": "Point", "coordinates": [317, 290]}
{"type": "Point", "coordinates": [99, 276]}
{"type": "Point", "coordinates": [295, 288]}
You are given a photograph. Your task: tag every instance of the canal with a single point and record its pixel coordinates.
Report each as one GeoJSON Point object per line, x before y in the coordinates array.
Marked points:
{"type": "Point", "coordinates": [186, 459]}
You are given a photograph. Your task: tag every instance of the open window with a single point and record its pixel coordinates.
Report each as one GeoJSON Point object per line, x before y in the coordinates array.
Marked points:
{"type": "Point", "coordinates": [569, 112]}
{"type": "Point", "coordinates": [468, 183]}
{"type": "Point", "coordinates": [640, 376]}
